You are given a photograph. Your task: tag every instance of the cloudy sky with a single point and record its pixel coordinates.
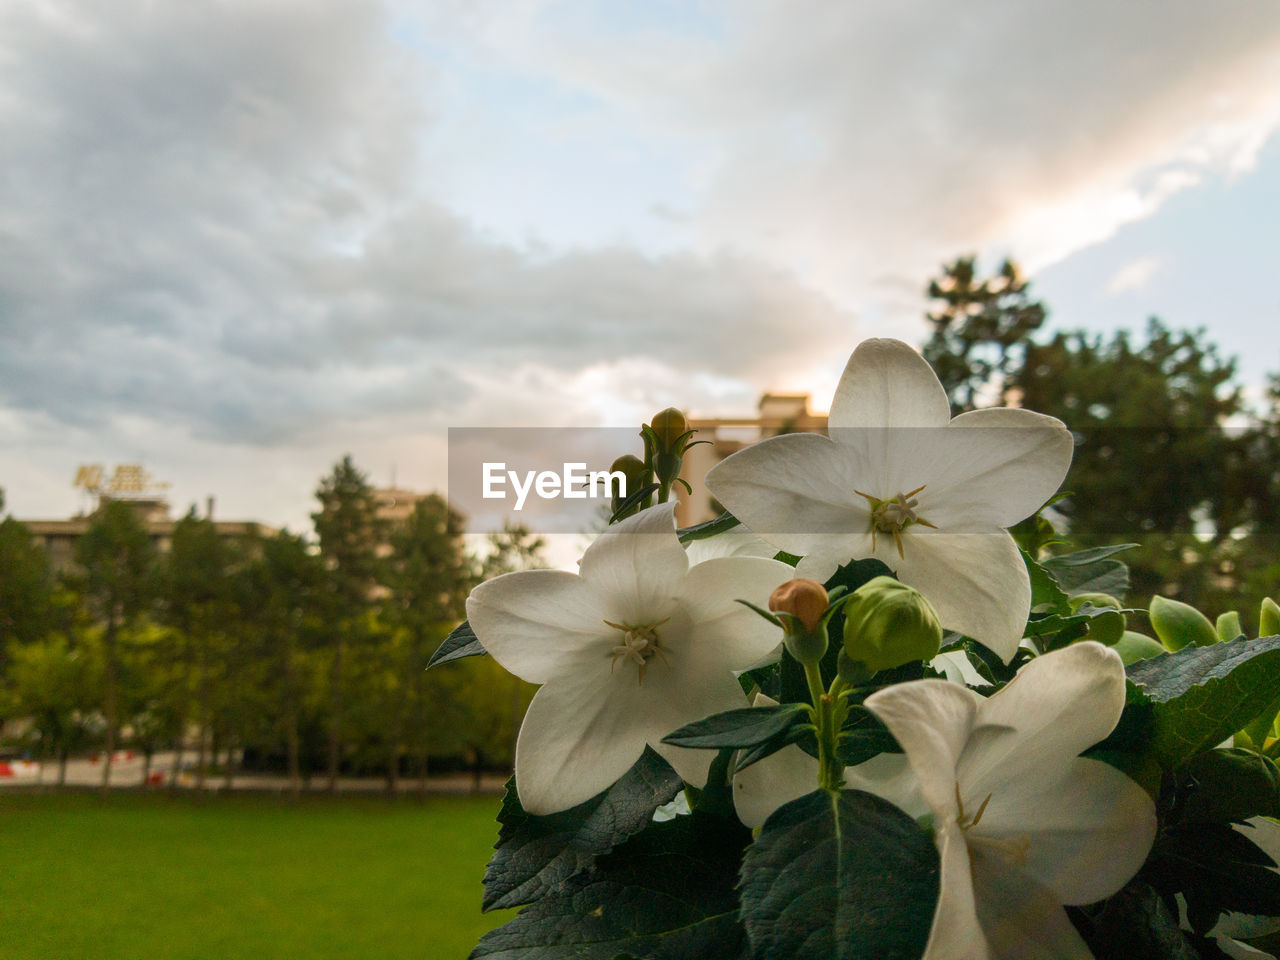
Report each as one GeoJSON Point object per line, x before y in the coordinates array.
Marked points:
{"type": "Point", "coordinates": [241, 238]}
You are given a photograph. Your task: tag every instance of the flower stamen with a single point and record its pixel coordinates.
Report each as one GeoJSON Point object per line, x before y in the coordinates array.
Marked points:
{"type": "Point", "coordinates": [639, 645]}
{"type": "Point", "coordinates": [894, 515]}
{"type": "Point", "coordinates": [961, 820]}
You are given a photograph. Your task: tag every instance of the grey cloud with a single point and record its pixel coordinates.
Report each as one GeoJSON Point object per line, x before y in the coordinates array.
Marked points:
{"type": "Point", "coordinates": [213, 215]}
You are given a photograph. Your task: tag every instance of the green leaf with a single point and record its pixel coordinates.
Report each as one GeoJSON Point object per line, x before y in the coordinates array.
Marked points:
{"type": "Point", "coordinates": [709, 528]}
{"type": "Point", "coordinates": [1201, 695]}
{"type": "Point", "coordinates": [746, 727]}
{"type": "Point", "coordinates": [458, 645]}
{"type": "Point", "coordinates": [1091, 571]}
{"type": "Point", "coordinates": [1046, 594]}
{"type": "Point", "coordinates": [633, 501]}
{"type": "Point", "coordinates": [757, 731]}
{"type": "Point", "coordinates": [1135, 924]}
{"type": "Point", "coordinates": [863, 736]}
{"type": "Point", "coordinates": [666, 894]}
{"type": "Point", "coordinates": [1217, 869]}
{"type": "Point", "coordinates": [535, 854]}
{"type": "Point", "coordinates": [841, 876]}
{"type": "Point", "coordinates": [1230, 785]}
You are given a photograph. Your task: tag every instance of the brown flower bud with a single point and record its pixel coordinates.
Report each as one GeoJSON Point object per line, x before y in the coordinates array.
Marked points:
{"type": "Point", "coordinates": [805, 599]}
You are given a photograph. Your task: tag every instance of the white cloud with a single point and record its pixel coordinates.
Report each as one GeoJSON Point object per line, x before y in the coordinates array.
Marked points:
{"type": "Point", "coordinates": [1133, 277]}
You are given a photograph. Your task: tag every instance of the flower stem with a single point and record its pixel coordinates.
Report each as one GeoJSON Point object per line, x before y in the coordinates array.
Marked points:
{"type": "Point", "coordinates": [827, 711]}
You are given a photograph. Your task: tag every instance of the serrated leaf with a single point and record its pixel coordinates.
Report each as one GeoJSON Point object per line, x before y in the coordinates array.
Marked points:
{"type": "Point", "coordinates": [1201, 695]}
{"type": "Point", "coordinates": [1217, 869]}
{"type": "Point", "coordinates": [734, 729]}
{"type": "Point", "coordinates": [1230, 786]}
{"type": "Point", "coordinates": [841, 876]}
{"type": "Point", "coordinates": [1046, 595]}
{"type": "Point", "coordinates": [666, 894]}
{"type": "Point", "coordinates": [863, 736]}
{"type": "Point", "coordinates": [458, 645]}
{"type": "Point", "coordinates": [708, 528]}
{"type": "Point", "coordinates": [534, 854]}
{"type": "Point", "coordinates": [1135, 924]}
{"type": "Point", "coordinates": [1082, 558]}
{"type": "Point", "coordinates": [1091, 571]}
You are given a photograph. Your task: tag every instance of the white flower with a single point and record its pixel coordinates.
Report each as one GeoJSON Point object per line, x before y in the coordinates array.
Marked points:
{"type": "Point", "coordinates": [789, 774]}
{"type": "Point", "coordinates": [634, 646]}
{"type": "Point", "coordinates": [899, 480]}
{"type": "Point", "coordinates": [1023, 824]}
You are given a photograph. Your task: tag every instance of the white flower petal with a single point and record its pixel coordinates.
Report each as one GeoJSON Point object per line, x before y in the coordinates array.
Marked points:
{"type": "Point", "coordinates": [1084, 830]}
{"type": "Point", "coordinates": [956, 933]}
{"type": "Point", "coordinates": [955, 664]}
{"type": "Point", "coordinates": [1061, 704]}
{"type": "Point", "coordinates": [792, 490]}
{"type": "Point", "coordinates": [887, 384]}
{"type": "Point", "coordinates": [638, 564]}
{"type": "Point", "coordinates": [535, 622]}
{"type": "Point", "coordinates": [931, 719]}
{"type": "Point", "coordinates": [767, 784]}
{"type": "Point", "coordinates": [1020, 918]}
{"type": "Point", "coordinates": [725, 633]}
{"type": "Point", "coordinates": [580, 734]}
{"type": "Point", "coordinates": [735, 543]}
{"type": "Point", "coordinates": [993, 468]}
{"type": "Point", "coordinates": [977, 582]}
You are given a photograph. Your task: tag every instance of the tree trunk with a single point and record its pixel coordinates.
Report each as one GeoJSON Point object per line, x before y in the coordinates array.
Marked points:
{"type": "Point", "coordinates": [292, 746]}
{"type": "Point", "coordinates": [228, 777]}
{"type": "Point", "coordinates": [109, 706]}
{"type": "Point", "coordinates": [335, 720]}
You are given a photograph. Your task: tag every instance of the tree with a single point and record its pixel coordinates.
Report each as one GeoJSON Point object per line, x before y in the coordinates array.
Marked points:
{"type": "Point", "coordinates": [51, 682]}
{"type": "Point", "coordinates": [198, 605]}
{"type": "Point", "coordinates": [284, 587]}
{"type": "Point", "coordinates": [26, 587]}
{"type": "Point", "coordinates": [429, 575]}
{"type": "Point", "coordinates": [350, 531]}
{"type": "Point", "coordinates": [981, 326]}
{"type": "Point", "coordinates": [117, 558]}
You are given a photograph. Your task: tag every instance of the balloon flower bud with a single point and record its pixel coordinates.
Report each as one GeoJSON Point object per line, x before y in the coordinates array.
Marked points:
{"type": "Point", "coordinates": [1179, 624]}
{"type": "Point", "coordinates": [632, 468]}
{"type": "Point", "coordinates": [887, 624]}
{"type": "Point", "coordinates": [1269, 618]}
{"type": "Point", "coordinates": [806, 602]}
{"type": "Point", "coordinates": [669, 426]}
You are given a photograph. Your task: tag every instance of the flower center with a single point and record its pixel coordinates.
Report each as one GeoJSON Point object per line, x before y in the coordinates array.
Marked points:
{"type": "Point", "coordinates": [894, 515]}
{"type": "Point", "coordinates": [1014, 848]}
{"type": "Point", "coordinates": [639, 645]}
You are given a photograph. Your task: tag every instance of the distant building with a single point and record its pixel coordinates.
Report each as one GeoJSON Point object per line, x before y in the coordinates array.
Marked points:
{"type": "Point", "coordinates": [779, 413]}
{"type": "Point", "coordinates": [60, 536]}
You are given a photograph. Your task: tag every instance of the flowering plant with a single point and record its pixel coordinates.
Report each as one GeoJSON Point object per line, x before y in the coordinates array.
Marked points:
{"type": "Point", "coordinates": [879, 725]}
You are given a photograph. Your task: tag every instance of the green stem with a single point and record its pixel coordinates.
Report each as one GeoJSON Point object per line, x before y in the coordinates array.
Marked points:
{"type": "Point", "coordinates": [826, 716]}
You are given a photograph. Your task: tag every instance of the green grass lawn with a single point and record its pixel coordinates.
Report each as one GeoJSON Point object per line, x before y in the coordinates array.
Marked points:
{"type": "Point", "coordinates": [141, 877]}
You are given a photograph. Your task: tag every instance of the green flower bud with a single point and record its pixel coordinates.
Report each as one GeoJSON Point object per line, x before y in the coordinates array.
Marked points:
{"type": "Point", "coordinates": [1269, 618]}
{"type": "Point", "coordinates": [1227, 626]}
{"type": "Point", "coordinates": [1178, 624]}
{"type": "Point", "coordinates": [1094, 599]}
{"type": "Point", "coordinates": [669, 426]}
{"type": "Point", "coordinates": [806, 601]}
{"type": "Point", "coordinates": [887, 624]}
{"type": "Point", "coordinates": [1133, 647]}
{"type": "Point", "coordinates": [1106, 628]}
{"type": "Point", "coordinates": [632, 468]}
